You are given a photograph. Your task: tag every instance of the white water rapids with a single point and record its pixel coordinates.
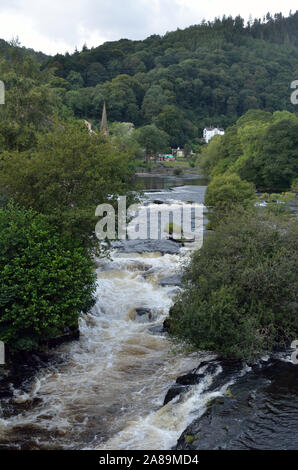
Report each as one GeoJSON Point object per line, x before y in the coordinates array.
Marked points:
{"type": "Point", "coordinates": [107, 392]}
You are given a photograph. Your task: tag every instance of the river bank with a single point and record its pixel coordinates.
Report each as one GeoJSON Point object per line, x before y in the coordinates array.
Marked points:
{"type": "Point", "coordinates": [91, 391]}
{"type": "Point", "coordinates": [252, 407]}
{"type": "Point", "coordinates": [110, 388]}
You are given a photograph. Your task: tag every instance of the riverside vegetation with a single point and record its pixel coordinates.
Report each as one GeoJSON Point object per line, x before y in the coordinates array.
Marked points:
{"type": "Point", "coordinates": [53, 174]}
{"type": "Point", "coordinates": [240, 296]}
{"type": "Point", "coordinates": [164, 90]}
{"type": "Point", "coordinates": [241, 288]}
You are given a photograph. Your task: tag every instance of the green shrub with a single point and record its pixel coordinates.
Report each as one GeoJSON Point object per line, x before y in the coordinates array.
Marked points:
{"type": "Point", "coordinates": [44, 282]}
{"type": "Point", "coordinates": [241, 288]}
{"type": "Point", "coordinates": [177, 171]}
{"type": "Point", "coordinates": [226, 192]}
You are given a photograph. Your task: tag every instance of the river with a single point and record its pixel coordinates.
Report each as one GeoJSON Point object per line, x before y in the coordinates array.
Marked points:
{"type": "Point", "coordinates": [106, 390]}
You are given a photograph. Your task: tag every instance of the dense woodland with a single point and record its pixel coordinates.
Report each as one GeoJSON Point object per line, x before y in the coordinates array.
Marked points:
{"type": "Point", "coordinates": [210, 73]}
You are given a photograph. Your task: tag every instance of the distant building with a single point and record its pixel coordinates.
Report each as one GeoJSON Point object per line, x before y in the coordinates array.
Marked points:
{"type": "Point", "coordinates": [179, 153]}
{"type": "Point", "coordinates": [104, 122]}
{"type": "Point", "coordinates": [210, 132]}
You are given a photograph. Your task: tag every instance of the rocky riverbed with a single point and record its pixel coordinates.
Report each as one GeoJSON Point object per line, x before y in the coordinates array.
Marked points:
{"type": "Point", "coordinates": [124, 385]}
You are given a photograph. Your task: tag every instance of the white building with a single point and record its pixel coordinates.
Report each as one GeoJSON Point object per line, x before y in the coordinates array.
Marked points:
{"type": "Point", "coordinates": [210, 132]}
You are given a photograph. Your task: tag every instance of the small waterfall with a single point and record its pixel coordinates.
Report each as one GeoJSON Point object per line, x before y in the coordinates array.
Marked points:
{"type": "Point", "coordinates": [107, 389]}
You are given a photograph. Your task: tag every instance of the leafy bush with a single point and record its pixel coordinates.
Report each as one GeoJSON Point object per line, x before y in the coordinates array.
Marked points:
{"type": "Point", "coordinates": [177, 171]}
{"type": "Point", "coordinates": [241, 288]}
{"type": "Point", "coordinates": [225, 193]}
{"type": "Point", "coordinates": [67, 175]}
{"type": "Point", "coordinates": [44, 282]}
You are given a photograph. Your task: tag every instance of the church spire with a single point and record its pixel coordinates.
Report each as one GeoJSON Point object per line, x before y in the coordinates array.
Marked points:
{"type": "Point", "coordinates": [104, 122]}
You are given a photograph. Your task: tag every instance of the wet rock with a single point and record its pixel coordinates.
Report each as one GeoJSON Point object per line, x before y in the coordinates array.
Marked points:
{"type": "Point", "coordinates": [145, 314]}
{"type": "Point", "coordinates": [206, 368]}
{"type": "Point", "coordinates": [147, 246]}
{"type": "Point", "coordinates": [178, 240]}
{"type": "Point", "coordinates": [157, 330]}
{"type": "Point", "coordinates": [229, 369]}
{"type": "Point", "coordinates": [189, 379]}
{"type": "Point", "coordinates": [173, 392]}
{"type": "Point", "coordinates": [138, 266]}
{"type": "Point", "coordinates": [143, 311]}
{"type": "Point", "coordinates": [205, 363]}
{"type": "Point", "coordinates": [166, 324]}
{"type": "Point", "coordinates": [175, 280]}
{"type": "Point", "coordinates": [235, 419]}
{"type": "Point", "coordinates": [158, 201]}
{"type": "Point", "coordinates": [19, 372]}
{"type": "Point", "coordinates": [72, 334]}
{"type": "Point", "coordinates": [148, 273]}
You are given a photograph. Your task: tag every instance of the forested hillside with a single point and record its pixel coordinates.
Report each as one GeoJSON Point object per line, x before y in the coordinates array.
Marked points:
{"type": "Point", "coordinates": [210, 73]}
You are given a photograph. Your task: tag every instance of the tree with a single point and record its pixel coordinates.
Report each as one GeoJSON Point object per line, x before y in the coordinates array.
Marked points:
{"type": "Point", "coordinates": [260, 148]}
{"type": "Point", "coordinates": [154, 101]}
{"type": "Point", "coordinates": [278, 157]}
{"type": "Point", "coordinates": [45, 282]}
{"type": "Point", "coordinates": [241, 288]}
{"type": "Point", "coordinates": [66, 176]}
{"type": "Point", "coordinates": [123, 135]}
{"type": "Point", "coordinates": [123, 96]}
{"type": "Point", "coordinates": [212, 72]}
{"type": "Point", "coordinates": [227, 191]}
{"type": "Point", "coordinates": [76, 80]}
{"type": "Point", "coordinates": [169, 121]}
{"type": "Point", "coordinates": [152, 139]}
{"type": "Point", "coordinates": [96, 73]}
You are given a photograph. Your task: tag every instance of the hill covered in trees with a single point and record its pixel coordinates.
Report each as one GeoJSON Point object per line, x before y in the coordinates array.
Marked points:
{"type": "Point", "coordinates": [211, 73]}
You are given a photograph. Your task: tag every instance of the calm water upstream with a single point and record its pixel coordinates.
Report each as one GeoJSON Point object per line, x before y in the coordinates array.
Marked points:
{"type": "Point", "coordinates": [106, 390]}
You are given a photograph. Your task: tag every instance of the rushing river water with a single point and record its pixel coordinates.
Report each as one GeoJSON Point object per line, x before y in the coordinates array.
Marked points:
{"type": "Point", "coordinates": [106, 390]}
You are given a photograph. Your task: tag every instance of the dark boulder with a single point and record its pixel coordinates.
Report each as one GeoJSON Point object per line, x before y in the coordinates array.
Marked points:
{"type": "Point", "coordinates": [157, 330]}
{"type": "Point", "coordinates": [145, 314]}
{"type": "Point", "coordinates": [189, 379]}
{"type": "Point", "coordinates": [175, 280]}
{"type": "Point", "coordinates": [173, 392]}
{"type": "Point", "coordinates": [158, 201]}
{"type": "Point", "coordinates": [143, 311]}
{"type": "Point", "coordinates": [166, 324]}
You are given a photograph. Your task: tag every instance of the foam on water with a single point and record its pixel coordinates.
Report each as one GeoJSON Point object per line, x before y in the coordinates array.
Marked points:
{"type": "Point", "coordinates": [116, 373]}
{"type": "Point", "coordinates": [107, 389]}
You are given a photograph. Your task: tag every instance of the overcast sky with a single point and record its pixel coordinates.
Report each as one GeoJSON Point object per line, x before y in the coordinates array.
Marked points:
{"type": "Point", "coordinates": [60, 25]}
